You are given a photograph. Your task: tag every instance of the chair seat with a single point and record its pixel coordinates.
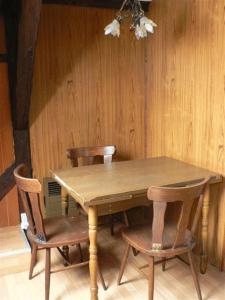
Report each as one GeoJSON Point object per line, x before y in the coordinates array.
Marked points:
{"type": "Point", "coordinates": [65, 231]}
{"type": "Point", "coordinates": [140, 237]}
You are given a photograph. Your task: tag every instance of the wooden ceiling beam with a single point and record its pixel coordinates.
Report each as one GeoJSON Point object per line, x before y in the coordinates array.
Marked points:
{"type": "Point", "coordinates": [22, 22]}
{"type": "Point", "coordinates": [114, 4]}
{"type": "Point", "coordinates": [27, 38]}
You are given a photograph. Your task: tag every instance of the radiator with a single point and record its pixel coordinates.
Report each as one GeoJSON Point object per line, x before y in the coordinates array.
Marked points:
{"type": "Point", "coordinates": [52, 198]}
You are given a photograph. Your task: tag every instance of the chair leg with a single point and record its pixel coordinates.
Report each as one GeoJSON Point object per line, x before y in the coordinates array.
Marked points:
{"type": "Point", "coordinates": [111, 225]}
{"type": "Point", "coordinates": [151, 278]}
{"type": "Point", "coordinates": [80, 251]}
{"type": "Point", "coordinates": [164, 264]}
{"type": "Point", "coordinates": [33, 259]}
{"type": "Point", "coordinates": [123, 264]}
{"type": "Point", "coordinates": [126, 220]}
{"type": "Point", "coordinates": [135, 252]}
{"type": "Point", "coordinates": [194, 274]}
{"type": "Point", "coordinates": [65, 250]}
{"type": "Point", "coordinates": [47, 272]}
{"type": "Point", "coordinates": [223, 254]}
{"type": "Point", "coordinates": [101, 277]}
{"type": "Point", "coordinates": [127, 223]}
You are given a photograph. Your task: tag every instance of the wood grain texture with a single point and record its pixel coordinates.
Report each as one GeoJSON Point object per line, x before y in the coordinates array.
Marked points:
{"type": "Point", "coordinates": [86, 89]}
{"type": "Point", "coordinates": [161, 96]}
{"type": "Point", "coordinates": [2, 36]}
{"type": "Point", "coordinates": [185, 87]}
{"type": "Point", "coordinates": [7, 155]}
{"type": "Point", "coordinates": [27, 37]}
{"type": "Point", "coordinates": [123, 180]}
{"type": "Point", "coordinates": [14, 250]}
{"type": "Point", "coordinates": [95, 3]}
{"type": "Point", "coordinates": [9, 211]}
{"type": "Point", "coordinates": [173, 284]}
{"type": "Point", "coordinates": [7, 181]}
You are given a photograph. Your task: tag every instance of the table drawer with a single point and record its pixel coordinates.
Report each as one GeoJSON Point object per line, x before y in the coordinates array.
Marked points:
{"type": "Point", "coordinates": [114, 207]}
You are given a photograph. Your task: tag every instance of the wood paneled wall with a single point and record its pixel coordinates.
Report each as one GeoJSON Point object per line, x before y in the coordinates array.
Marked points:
{"type": "Point", "coordinates": [160, 96]}
{"type": "Point", "coordinates": [186, 93]}
{"type": "Point", "coordinates": [9, 210]}
{"type": "Point", "coordinates": [87, 90]}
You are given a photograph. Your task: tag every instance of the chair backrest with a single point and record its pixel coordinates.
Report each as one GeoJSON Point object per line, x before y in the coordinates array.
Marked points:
{"type": "Point", "coordinates": [187, 196]}
{"type": "Point", "coordinates": [29, 190]}
{"type": "Point", "coordinates": [90, 155]}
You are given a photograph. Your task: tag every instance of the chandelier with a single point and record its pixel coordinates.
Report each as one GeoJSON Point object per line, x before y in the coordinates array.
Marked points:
{"type": "Point", "coordinates": [140, 24]}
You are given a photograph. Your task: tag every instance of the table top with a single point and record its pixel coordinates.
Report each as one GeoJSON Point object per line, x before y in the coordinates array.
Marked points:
{"type": "Point", "coordinates": [105, 183]}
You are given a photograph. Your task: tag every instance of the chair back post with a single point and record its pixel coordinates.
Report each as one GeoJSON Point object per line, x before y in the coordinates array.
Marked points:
{"type": "Point", "coordinates": [29, 190]}
{"type": "Point", "coordinates": [186, 196]}
{"type": "Point", "coordinates": [90, 153]}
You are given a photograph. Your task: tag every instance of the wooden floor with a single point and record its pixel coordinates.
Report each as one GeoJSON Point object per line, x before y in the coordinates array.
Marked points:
{"type": "Point", "coordinates": [175, 283]}
{"type": "Point", "coordinates": [14, 250]}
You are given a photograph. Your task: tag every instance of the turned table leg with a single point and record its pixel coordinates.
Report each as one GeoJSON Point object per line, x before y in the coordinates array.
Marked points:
{"type": "Point", "coordinates": [64, 202]}
{"type": "Point", "coordinates": [65, 207]}
{"type": "Point", "coordinates": [205, 214]}
{"type": "Point", "coordinates": [223, 254]}
{"type": "Point", "coordinates": [93, 265]}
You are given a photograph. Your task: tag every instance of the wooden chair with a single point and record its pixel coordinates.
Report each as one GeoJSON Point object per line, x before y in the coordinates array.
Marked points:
{"type": "Point", "coordinates": [94, 155]}
{"type": "Point", "coordinates": [45, 234]}
{"type": "Point", "coordinates": [167, 240]}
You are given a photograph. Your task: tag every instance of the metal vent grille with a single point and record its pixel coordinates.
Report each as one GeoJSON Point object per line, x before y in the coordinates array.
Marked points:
{"type": "Point", "coordinates": [52, 196]}
{"type": "Point", "coordinates": [54, 189]}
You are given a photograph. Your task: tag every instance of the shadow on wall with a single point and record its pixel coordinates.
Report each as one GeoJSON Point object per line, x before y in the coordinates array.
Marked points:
{"type": "Point", "coordinates": [88, 89]}
{"type": "Point", "coordinates": [65, 36]}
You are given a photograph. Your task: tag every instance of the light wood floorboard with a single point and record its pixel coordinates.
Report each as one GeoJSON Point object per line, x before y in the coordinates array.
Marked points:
{"type": "Point", "coordinates": [175, 283]}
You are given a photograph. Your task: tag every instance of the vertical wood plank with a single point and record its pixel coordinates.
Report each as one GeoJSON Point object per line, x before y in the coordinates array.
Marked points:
{"type": "Point", "coordinates": [185, 87]}
{"type": "Point", "coordinates": [2, 36]}
{"type": "Point", "coordinates": [9, 210]}
{"type": "Point", "coordinates": [88, 89]}
{"type": "Point", "coordinates": [166, 92]}
{"type": "Point", "coordinates": [13, 207]}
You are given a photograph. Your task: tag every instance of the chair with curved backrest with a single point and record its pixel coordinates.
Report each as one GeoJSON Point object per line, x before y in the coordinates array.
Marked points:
{"type": "Point", "coordinates": [51, 232]}
{"type": "Point", "coordinates": [165, 239]}
{"type": "Point", "coordinates": [91, 155]}
{"type": "Point", "coordinates": [94, 155]}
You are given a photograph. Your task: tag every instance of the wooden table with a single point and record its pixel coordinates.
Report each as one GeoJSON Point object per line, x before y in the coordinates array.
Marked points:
{"type": "Point", "coordinates": [109, 188]}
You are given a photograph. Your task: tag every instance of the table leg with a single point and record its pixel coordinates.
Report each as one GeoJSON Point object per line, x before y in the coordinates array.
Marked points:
{"type": "Point", "coordinates": [205, 214]}
{"type": "Point", "coordinates": [93, 265]}
{"type": "Point", "coordinates": [65, 206]}
{"type": "Point", "coordinates": [223, 254]}
{"type": "Point", "coordinates": [64, 202]}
